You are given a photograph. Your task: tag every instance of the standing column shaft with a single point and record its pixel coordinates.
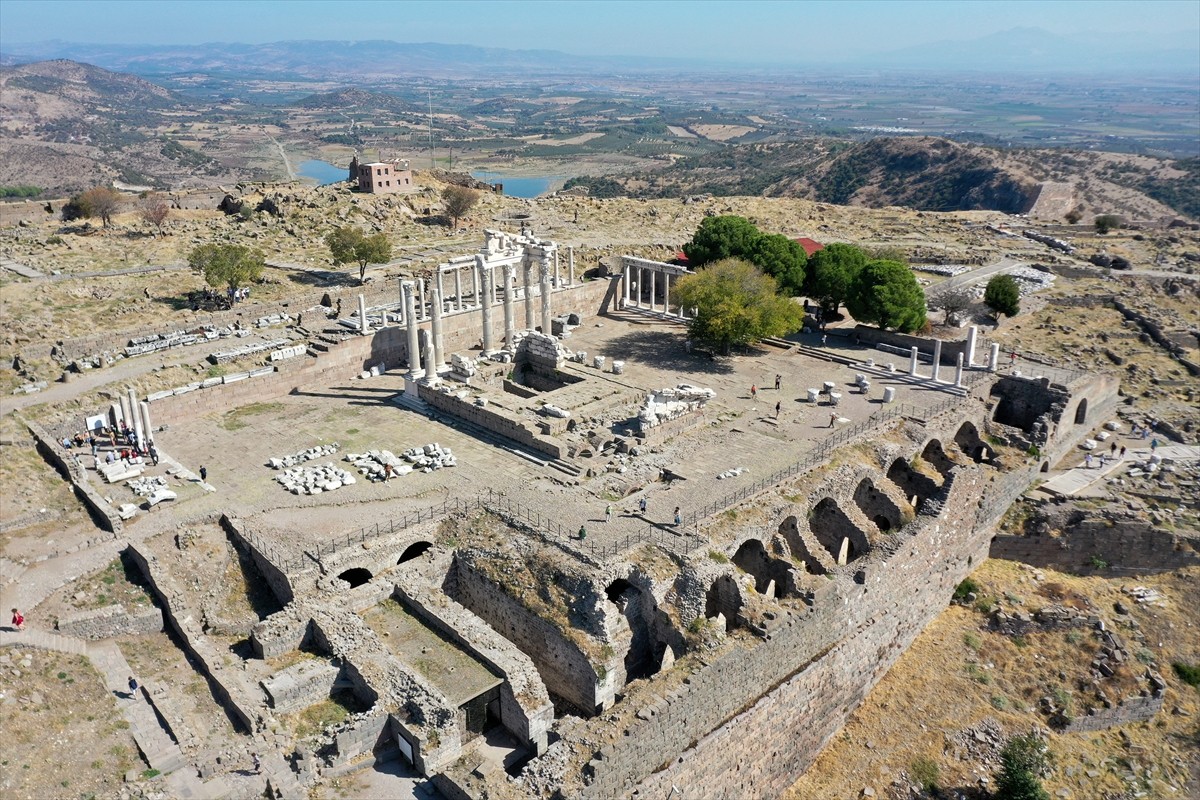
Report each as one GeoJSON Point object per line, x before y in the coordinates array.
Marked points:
{"type": "Point", "coordinates": [439, 346]}
{"type": "Point", "coordinates": [458, 298]}
{"type": "Point", "coordinates": [653, 287]}
{"type": "Point", "coordinates": [526, 269]}
{"type": "Point", "coordinates": [410, 314]}
{"type": "Point", "coordinates": [993, 357]}
{"type": "Point", "coordinates": [571, 270]}
{"type": "Point", "coordinates": [363, 326]}
{"type": "Point", "coordinates": [420, 298]}
{"type": "Point", "coordinates": [430, 357]}
{"type": "Point", "coordinates": [547, 327]}
{"type": "Point", "coordinates": [972, 333]}
{"type": "Point", "coordinates": [557, 281]}
{"type": "Point", "coordinates": [475, 298]}
{"type": "Point", "coordinates": [440, 289]}
{"type": "Point", "coordinates": [958, 371]}
{"type": "Point", "coordinates": [126, 414]}
{"type": "Point", "coordinates": [937, 357]}
{"type": "Point", "coordinates": [509, 277]}
{"type": "Point", "coordinates": [146, 426]}
{"type": "Point", "coordinates": [136, 422]}
{"type": "Point", "coordinates": [912, 362]}
{"type": "Point", "coordinates": [400, 312]}
{"type": "Point", "coordinates": [667, 294]}
{"type": "Point", "coordinates": [628, 275]}
{"type": "Point", "coordinates": [483, 275]}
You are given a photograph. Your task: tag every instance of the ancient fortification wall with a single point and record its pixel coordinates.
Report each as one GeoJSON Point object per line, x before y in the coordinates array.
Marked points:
{"type": "Point", "coordinates": [815, 667]}
{"type": "Point", "coordinates": [1098, 547]}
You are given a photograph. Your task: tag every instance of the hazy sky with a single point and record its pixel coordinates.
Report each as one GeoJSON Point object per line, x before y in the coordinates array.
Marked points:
{"type": "Point", "coordinates": [779, 31]}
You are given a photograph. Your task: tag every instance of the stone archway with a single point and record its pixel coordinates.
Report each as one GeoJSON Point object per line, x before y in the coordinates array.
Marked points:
{"type": "Point", "coordinates": [752, 558]}
{"type": "Point", "coordinates": [877, 506]}
{"type": "Point", "coordinates": [789, 529]}
{"type": "Point", "coordinates": [833, 529]}
{"type": "Point", "coordinates": [1081, 412]}
{"type": "Point", "coordinates": [356, 576]}
{"type": "Point", "coordinates": [916, 486]}
{"type": "Point", "coordinates": [935, 455]}
{"type": "Point", "coordinates": [414, 550]}
{"type": "Point", "coordinates": [723, 597]}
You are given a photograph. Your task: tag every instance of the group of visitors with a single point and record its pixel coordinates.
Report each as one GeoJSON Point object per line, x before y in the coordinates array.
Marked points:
{"type": "Point", "coordinates": [120, 444]}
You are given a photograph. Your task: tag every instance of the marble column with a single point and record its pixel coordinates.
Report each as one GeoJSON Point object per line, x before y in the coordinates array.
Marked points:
{"type": "Point", "coordinates": [403, 318]}
{"type": "Point", "coordinates": [653, 288]}
{"type": "Point", "coordinates": [994, 357]}
{"type": "Point", "coordinates": [557, 280]}
{"type": "Point", "coordinates": [146, 426]}
{"type": "Point", "coordinates": [509, 278]}
{"type": "Point", "coordinates": [439, 347]}
{"type": "Point", "coordinates": [526, 268]}
{"type": "Point", "coordinates": [475, 298]}
{"type": "Point", "coordinates": [458, 298]}
{"type": "Point", "coordinates": [912, 362]}
{"type": "Point", "coordinates": [420, 298]}
{"type": "Point", "coordinates": [438, 281]}
{"type": "Point", "coordinates": [410, 314]}
{"type": "Point", "coordinates": [972, 333]}
{"type": "Point", "coordinates": [958, 371]}
{"type": "Point", "coordinates": [430, 371]}
{"type": "Point", "coordinates": [544, 275]}
{"type": "Point", "coordinates": [126, 414]}
{"type": "Point", "coordinates": [482, 276]}
{"type": "Point", "coordinates": [571, 269]}
{"type": "Point", "coordinates": [136, 422]}
{"type": "Point", "coordinates": [666, 294]}
{"type": "Point", "coordinates": [364, 327]}
{"type": "Point", "coordinates": [937, 358]}
{"type": "Point", "coordinates": [628, 277]}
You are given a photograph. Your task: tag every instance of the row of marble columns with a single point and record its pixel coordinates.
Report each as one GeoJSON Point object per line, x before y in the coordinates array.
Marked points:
{"type": "Point", "coordinates": [483, 274]}
{"type": "Point", "coordinates": [961, 362]}
{"type": "Point", "coordinates": [633, 297]}
{"type": "Point", "coordinates": [136, 415]}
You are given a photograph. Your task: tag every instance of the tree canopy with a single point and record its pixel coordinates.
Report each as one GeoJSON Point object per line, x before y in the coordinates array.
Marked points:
{"type": "Point", "coordinates": [954, 301]}
{"type": "Point", "coordinates": [721, 237]}
{"type": "Point", "coordinates": [231, 265]}
{"type": "Point", "coordinates": [154, 209]}
{"type": "Point", "coordinates": [459, 200]}
{"type": "Point", "coordinates": [832, 272]}
{"type": "Point", "coordinates": [735, 304]}
{"type": "Point", "coordinates": [782, 259]}
{"type": "Point", "coordinates": [100, 201]}
{"type": "Point", "coordinates": [737, 237]}
{"type": "Point", "coordinates": [886, 293]}
{"type": "Point", "coordinates": [1021, 761]}
{"type": "Point", "coordinates": [1003, 295]}
{"type": "Point", "coordinates": [349, 245]}
{"type": "Point", "coordinates": [1106, 222]}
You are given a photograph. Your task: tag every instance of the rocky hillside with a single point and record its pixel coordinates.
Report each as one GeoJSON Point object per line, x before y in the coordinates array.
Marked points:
{"type": "Point", "coordinates": [356, 99]}
{"type": "Point", "coordinates": [929, 174]}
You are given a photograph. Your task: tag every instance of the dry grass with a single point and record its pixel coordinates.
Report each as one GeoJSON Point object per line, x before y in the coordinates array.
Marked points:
{"type": "Point", "coordinates": [957, 674]}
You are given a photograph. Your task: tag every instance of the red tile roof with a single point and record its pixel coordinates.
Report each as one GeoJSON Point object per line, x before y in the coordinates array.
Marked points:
{"type": "Point", "coordinates": [810, 245]}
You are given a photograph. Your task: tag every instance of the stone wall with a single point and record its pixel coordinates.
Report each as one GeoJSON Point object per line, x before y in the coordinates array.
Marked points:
{"type": "Point", "coordinates": [492, 418]}
{"type": "Point", "coordinates": [950, 349]}
{"type": "Point", "coordinates": [1101, 547]}
{"type": "Point", "coordinates": [300, 685]}
{"type": "Point", "coordinates": [820, 663]}
{"type": "Point", "coordinates": [564, 668]}
{"type": "Point", "coordinates": [1131, 709]}
{"type": "Point", "coordinates": [73, 470]}
{"type": "Point", "coordinates": [114, 620]}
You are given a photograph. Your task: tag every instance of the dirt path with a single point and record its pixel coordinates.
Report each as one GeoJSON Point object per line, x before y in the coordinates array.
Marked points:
{"type": "Point", "coordinates": [286, 161]}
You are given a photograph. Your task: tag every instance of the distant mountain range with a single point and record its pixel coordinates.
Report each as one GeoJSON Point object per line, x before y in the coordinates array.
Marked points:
{"type": "Point", "coordinates": [1015, 50]}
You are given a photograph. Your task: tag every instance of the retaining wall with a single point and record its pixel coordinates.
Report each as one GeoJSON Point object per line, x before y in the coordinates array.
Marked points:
{"type": "Point", "coordinates": [114, 620]}
{"type": "Point", "coordinates": [1097, 547]}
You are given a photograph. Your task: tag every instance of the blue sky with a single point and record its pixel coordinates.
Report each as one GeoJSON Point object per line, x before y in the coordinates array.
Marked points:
{"type": "Point", "coordinates": [777, 32]}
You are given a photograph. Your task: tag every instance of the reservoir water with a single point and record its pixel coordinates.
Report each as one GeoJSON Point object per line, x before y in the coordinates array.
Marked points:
{"type": "Point", "coordinates": [322, 172]}
{"type": "Point", "coordinates": [519, 187]}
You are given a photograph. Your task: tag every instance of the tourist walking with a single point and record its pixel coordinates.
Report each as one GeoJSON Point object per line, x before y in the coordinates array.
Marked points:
{"type": "Point", "coordinates": [832, 419]}
{"type": "Point", "coordinates": [582, 533]}
{"type": "Point", "coordinates": [778, 403]}
{"type": "Point", "coordinates": [778, 382]}
{"type": "Point", "coordinates": [153, 454]}
{"type": "Point", "coordinates": [133, 687]}
{"type": "Point", "coordinates": [642, 505]}
{"type": "Point", "coordinates": [1122, 452]}
{"type": "Point", "coordinates": [1153, 445]}
{"type": "Point", "coordinates": [608, 513]}
{"type": "Point", "coordinates": [254, 758]}
{"type": "Point", "coordinates": [753, 392]}
{"type": "Point", "coordinates": [678, 517]}
{"type": "Point", "coordinates": [18, 621]}
{"type": "Point", "coordinates": [203, 475]}
{"type": "Point", "coordinates": [1087, 460]}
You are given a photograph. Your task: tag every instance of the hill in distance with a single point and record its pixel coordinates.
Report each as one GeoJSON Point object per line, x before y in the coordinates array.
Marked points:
{"type": "Point", "coordinates": [357, 99]}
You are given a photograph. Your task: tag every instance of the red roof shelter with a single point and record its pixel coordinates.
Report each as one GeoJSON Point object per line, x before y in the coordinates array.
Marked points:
{"type": "Point", "coordinates": [810, 245]}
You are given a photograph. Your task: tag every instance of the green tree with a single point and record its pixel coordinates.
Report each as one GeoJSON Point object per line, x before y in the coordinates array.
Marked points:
{"type": "Point", "coordinates": [782, 259]}
{"type": "Point", "coordinates": [1106, 222]}
{"type": "Point", "coordinates": [735, 304]}
{"type": "Point", "coordinates": [231, 265]}
{"type": "Point", "coordinates": [1003, 295]}
{"type": "Point", "coordinates": [721, 237]}
{"type": "Point", "coordinates": [458, 201]}
{"type": "Point", "coordinates": [1021, 761]}
{"type": "Point", "coordinates": [348, 245]}
{"type": "Point", "coordinates": [887, 294]}
{"type": "Point", "coordinates": [831, 272]}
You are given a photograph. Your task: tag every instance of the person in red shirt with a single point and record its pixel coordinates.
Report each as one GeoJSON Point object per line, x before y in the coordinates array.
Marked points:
{"type": "Point", "coordinates": [18, 621]}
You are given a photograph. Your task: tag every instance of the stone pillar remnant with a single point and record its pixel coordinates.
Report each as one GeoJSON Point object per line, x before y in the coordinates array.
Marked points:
{"type": "Point", "coordinates": [414, 354]}
{"type": "Point", "coordinates": [912, 362]}
{"type": "Point", "coordinates": [937, 358]}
